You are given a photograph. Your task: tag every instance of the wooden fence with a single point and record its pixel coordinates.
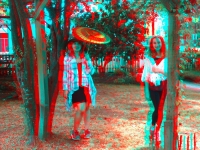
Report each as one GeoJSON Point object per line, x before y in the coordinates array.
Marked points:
{"type": "Point", "coordinates": [117, 62]}
{"type": "Point", "coordinates": [187, 141]}
{"type": "Point", "coordinates": [6, 65]}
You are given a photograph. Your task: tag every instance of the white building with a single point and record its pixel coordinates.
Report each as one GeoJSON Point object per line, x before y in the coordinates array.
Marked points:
{"type": "Point", "coordinates": [5, 38]}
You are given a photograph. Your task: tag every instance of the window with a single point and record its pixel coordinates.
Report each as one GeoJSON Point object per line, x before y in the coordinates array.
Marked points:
{"type": "Point", "coordinates": [3, 42]}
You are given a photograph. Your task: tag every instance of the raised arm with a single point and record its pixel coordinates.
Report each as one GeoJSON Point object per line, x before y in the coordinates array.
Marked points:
{"type": "Point", "coordinates": [89, 68]}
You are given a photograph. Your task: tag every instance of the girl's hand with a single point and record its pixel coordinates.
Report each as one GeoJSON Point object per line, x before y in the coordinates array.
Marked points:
{"type": "Point", "coordinates": [155, 69]}
{"type": "Point", "coordinates": [148, 77]}
{"type": "Point", "coordinates": [87, 57]}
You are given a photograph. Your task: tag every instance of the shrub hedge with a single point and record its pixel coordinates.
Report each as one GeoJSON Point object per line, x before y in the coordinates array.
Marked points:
{"type": "Point", "coordinates": [193, 76]}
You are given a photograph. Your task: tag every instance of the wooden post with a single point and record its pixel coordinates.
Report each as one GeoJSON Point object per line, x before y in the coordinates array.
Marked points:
{"type": "Point", "coordinates": [42, 70]}
{"type": "Point", "coordinates": [170, 125]}
{"type": "Point", "coordinates": [171, 135]}
{"type": "Point", "coordinates": [169, 121]}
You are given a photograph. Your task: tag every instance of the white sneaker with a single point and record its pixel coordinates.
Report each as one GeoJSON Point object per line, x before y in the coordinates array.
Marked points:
{"type": "Point", "coordinates": [152, 130]}
{"type": "Point", "coordinates": [157, 136]}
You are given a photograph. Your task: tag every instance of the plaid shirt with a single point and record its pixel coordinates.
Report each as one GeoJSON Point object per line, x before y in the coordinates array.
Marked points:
{"type": "Point", "coordinates": [71, 79]}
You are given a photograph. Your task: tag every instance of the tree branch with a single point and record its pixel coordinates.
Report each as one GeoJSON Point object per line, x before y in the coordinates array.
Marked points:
{"type": "Point", "coordinates": [169, 5]}
{"type": "Point", "coordinates": [66, 21]}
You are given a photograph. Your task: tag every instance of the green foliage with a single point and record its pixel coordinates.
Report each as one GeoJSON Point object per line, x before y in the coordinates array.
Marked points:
{"type": "Point", "coordinates": [119, 72]}
{"type": "Point", "coordinates": [193, 76]}
{"type": "Point", "coordinates": [189, 20]}
{"type": "Point", "coordinates": [4, 6]}
{"type": "Point", "coordinates": [187, 58]}
{"type": "Point", "coordinates": [123, 26]}
{"type": "Point", "coordinates": [119, 81]}
{"type": "Point", "coordinates": [117, 77]}
{"type": "Point", "coordinates": [19, 54]}
{"type": "Point", "coordinates": [124, 77]}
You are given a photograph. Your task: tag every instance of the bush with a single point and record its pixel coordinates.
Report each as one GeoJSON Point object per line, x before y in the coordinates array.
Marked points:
{"type": "Point", "coordinates": [119, 72]}
{"type": "Point", "coordinates": [119, 81]}
{"type": "Point", "coordinates": [193, 76]}
{"type": "Point", "coordinates": [127, 78]}
{"type": "Point", "coordinates": [117, 77]}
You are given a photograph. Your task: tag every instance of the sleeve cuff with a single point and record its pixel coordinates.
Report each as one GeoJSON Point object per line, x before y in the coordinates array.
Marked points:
{"type": "Point", "coordinates": [65, 87]}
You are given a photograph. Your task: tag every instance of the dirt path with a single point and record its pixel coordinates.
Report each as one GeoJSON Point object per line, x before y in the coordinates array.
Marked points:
{"type": "Point", "coordinates": [120, 121]}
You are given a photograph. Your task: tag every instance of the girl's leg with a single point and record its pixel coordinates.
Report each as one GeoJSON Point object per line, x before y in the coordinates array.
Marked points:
{"type": "Point", "coordinates": [87, 133]}
{"type": "Point", "coordinates": [87, 109]}
{"type": "Point", "coordinates": [155, 97]}
{"type": "Point", "coordinates": [87, 117]}
{"type": "Point", "coordinates": [160, 109]}
{"type": "Point", "coordinates": [79, 108]}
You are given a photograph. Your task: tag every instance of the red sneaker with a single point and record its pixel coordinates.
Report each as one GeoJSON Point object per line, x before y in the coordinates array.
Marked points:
{"type": "Point", "coordinates": [75, 135]}
{"type": "Point", "coordinates": [86, 134]}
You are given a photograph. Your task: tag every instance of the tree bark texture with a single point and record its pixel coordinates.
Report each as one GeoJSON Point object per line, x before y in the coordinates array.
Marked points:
{"type": "Point", "coordinates": [171, 123]}
{"type": "Point", "coordinates": [59, 38]}
{"type": "Point", "coordinates": [17, 45]}
{"type": "Point", "coordinates": [27, 73]}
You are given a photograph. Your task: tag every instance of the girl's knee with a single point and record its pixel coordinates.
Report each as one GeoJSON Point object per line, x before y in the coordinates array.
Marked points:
{"type": "Point", "coordinates": [77, 113]}
{"type": "Point", "coordinates": [79, 106]}
{"type": "Point", "coordinates": [87, 106]}
{"type": "Point", "coordinates": [82, 107]}
{"type": "Point", "coordinates": [87, 111]}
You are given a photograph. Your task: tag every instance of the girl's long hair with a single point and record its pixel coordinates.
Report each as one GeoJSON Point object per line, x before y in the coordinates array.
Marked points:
{"type": "Point", "coordinates": [153, 52]}
{"type": "Point", "coordinates": [71, 51]}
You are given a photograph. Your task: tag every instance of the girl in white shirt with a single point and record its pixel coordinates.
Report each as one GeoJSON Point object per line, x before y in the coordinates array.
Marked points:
{"type": "Point", "coordinates": [155, 74]}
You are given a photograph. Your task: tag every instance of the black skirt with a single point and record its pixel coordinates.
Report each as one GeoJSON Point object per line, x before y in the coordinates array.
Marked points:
{"type": "Point", "coordinates": [79, 96]}
{"type": "Point", "coordinates": [161, 87]}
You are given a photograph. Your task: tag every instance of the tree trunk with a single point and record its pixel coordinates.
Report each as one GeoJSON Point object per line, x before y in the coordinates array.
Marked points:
{"type": "Point", "coordinates": [25, 72]}
{"type": "Point", "coordinates": [52, 80]}
{"type": "Point", "coordinates": [173, 83]}
{"type": "Point", "coordinates": [28, 72]}
{"type": "Point", "coordinates": [59, 39]}
{"type": "Point", "coordinates": [17, 45]}
{"type": "Point", "coordinates": [171, 135]}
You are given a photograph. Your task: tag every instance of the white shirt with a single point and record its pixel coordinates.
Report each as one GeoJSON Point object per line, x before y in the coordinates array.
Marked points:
{"type": "Point", "coordinates": [156, 78]}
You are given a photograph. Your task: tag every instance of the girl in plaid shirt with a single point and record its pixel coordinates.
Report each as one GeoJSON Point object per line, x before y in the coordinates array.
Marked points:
{"type": "Point", "coordinates": [78, 86]}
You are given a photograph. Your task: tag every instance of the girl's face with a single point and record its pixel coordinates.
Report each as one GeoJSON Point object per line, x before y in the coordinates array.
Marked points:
{"type": "Point", "coordinates": [157, 44]}
{"type": "Point", "coordinates": [76, 47]}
